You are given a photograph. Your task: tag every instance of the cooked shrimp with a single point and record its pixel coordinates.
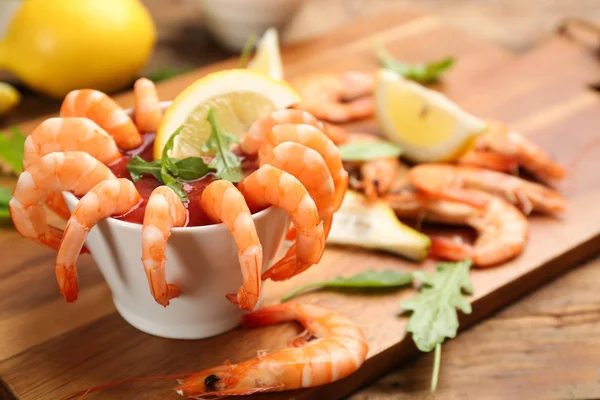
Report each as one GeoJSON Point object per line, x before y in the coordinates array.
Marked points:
{"type": "Point", "coordinates": [104, 111]}
{"type": "Point", "coordinates": [312, 138]}
{"type": "Point", "coordinates": [163, 212]}
{"type": "Point", "coordinates": [107, 198]}
{"type": "Point", "coordinates": [223, 202]}
{"type": "Point", "coordinates": [502, 230]}
{"type": "Point", "coordinates": [377, 174]}
{"type": "Point", "coordinates": [337, 97]}
{"type": "Point", "coordinates": [75, 172]}
{"type": "Point", "coordinates": [490, 160]}
{"type": "Point", "coordinates": [500, 139]}
{"type": "Point", "coordinates": [447, 181]}
{"type": "Point", "coordinates": [270, 185]}
{"type": "Point", "coordinates": [339, 348]}
{"type": "Point", "coordinates": [310, 169]}
{"type": "Point", "coordinates": [68, 134]}
{"type": "Point", "coordinates": [147, 108]}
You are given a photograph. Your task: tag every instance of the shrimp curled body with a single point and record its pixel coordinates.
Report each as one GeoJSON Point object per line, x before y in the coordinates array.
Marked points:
{"type": "Point", "coordinates": [339, 349]}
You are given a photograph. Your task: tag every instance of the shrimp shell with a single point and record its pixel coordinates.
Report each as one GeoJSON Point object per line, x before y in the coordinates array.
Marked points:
{"type": "Point", "coordinates": [107, 198]}
{"type": "Point", "coordinates": [340, 348]}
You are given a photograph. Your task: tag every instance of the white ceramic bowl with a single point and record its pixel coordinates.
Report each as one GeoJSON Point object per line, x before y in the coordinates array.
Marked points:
{"type": "Point", "coordinates": [202, 261]}
{"type": "Point", "coordinates": [232, 21]}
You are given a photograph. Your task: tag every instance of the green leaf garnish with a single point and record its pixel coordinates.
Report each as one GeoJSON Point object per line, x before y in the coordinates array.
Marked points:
{"type": "Point", "coordinates": [227, 165]}
{"type": "Point", "coordinates": [422, 73]}
{"type": "Point", "coordinates": [137, 167]}
{"type": "Point", "coordinates": [366, 151]}
{"type": "Point", "coordinates": [434, 315]}
{"type": "Point", "coordinates": [246, 50]}
{"type": "Point", "coordinates": [369, 279]}
{"type": "Point", "coordinates": [191, 168]}
{"type": "Point", "coordinates": [162, 74]}
{"type": "Point", "coordinates": [5, 195]}
{"type": "Point", "coordinates": [174, 184]}
{"type": "Point", "coordinates": [12, 148]}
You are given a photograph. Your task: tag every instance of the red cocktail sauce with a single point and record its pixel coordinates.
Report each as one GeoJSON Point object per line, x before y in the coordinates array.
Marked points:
{"type": "Point", "coordinates": [145, 186]}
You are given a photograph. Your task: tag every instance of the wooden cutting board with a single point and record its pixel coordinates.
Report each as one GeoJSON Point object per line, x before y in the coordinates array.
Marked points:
{"type": "Point", "coordinates": [49, 349]}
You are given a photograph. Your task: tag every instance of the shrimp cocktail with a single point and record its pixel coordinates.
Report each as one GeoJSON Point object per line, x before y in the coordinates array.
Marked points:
{"type": "Point", "coordinates": [212, 182]}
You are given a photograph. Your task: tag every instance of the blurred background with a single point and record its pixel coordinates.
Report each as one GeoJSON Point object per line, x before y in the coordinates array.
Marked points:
{"type": "Point", "coordinates": [178, 35]}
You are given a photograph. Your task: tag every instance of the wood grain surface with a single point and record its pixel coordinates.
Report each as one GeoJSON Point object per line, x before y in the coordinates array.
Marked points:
{"type": "Point", "coordinates": [49, 349]}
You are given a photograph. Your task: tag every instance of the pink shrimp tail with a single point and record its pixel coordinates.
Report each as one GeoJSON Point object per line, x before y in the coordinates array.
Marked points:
{"type": "Point", "coordinates": [449, 249]}
{"type": "Point", "coordinates": [286, 268]}
{"type": "Point", "coordinates": [67, 282]}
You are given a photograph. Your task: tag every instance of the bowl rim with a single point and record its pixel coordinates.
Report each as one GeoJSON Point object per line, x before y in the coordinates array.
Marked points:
{"type": "Point", "coordinates": [192, 229]}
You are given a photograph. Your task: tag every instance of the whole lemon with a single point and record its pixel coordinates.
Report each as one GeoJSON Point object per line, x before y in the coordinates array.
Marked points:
{"type": "Point", "coordinates": [55, 46]}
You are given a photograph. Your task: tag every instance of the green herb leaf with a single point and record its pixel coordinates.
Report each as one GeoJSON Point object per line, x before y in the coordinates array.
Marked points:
{"type": "Point", "coordinates": [137, 167]}
{"type": "Point", "coordinates": [434, 316]}
{"type": "Point", "coordinates": [166, 73]}
{"type": "Point", "coordinates": [369, 279]}
{"type": "Point", "coordinates": [5, 195]}
{"type": "Point", "coordinates": [227, 165]}
{"type": "Point", "coordinates": [191, 168]}
{"type": "Point", "coordinates": [12, 148]}
{"type": "Point", "coordinates": [246, 50]}
{"type": "Point", "coordinates": [437, 359]}
{"type": "Point", "coordinates": [167, 161]}
{"type": "Point", "coordinates": [366, 151]}
{"type": "Point", "coordinates": [423, 73]}
{"type": "Point", "coordinates": [174, 184]}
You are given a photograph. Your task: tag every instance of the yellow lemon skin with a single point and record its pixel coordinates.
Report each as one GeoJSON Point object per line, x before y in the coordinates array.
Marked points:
{"type": "Point", "coordinates": [55, 46]}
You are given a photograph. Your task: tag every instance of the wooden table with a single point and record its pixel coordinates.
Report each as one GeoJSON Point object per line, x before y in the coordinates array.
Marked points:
{"type": "Point", "coordinates": [545, 346]}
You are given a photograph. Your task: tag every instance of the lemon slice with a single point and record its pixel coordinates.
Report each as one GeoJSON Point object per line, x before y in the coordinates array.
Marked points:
{"type": "Point", "coordinates": [374, 225]}
{"type": "Point", "coordinates": [268, 59]}
{"type": "Point", "coordinates": [9, 98]}
{"type": "Point", "coordinates": [425, 123]}
{"type": "Point", "coordinates": [239, 97]}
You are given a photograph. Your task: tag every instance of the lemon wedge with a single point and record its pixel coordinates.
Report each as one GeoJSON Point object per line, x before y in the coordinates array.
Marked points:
{"type": "Point", "coordinates": [374, 225]}
{"type": "Point", "coordinates": [9, 98]}
{"type": "Point", "coordinates": [268, 58]}
{"type": "Point", "coordinates": [426, 124]}
{"type": "Point", "coordinates": [239, 97]}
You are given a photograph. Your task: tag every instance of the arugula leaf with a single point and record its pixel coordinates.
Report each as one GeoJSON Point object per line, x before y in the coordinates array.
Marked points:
{"type": "Point", "coordinates": [137, 167]}
{"type": "Point", "coordinates": [246, 50]}
{"type": "Point", "coordinates": [422, 73]}
{"type": "Point", "coordinates": [5, 195]}
{"type": "Point", "coordinates": [12, 148]}
{"type": "Point", "coordinates": [191, 168]}
{"type": "Point", "coordinates": [366, 151]}
{"type": "Point", "coordinates": [174, 184]}
{"type": "Point", "coordinates": [369, 279]}
{"type": "Point", "coordinates": [227, 165]}
{"type": "Point", "coordinates": [434, 316]}
{"type": "Point", "coordinates": [166, 73]}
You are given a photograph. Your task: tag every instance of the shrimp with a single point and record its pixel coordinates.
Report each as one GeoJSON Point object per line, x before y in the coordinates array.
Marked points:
{"type": "Point", "coordinates": [147, 108]}
{"type": "Point", "coordinates": [257, 133]}
{"type": "Point", "coordinates": [223, 202]}
{"type": "Point", "coordinates": [527, 154]}
{"type": "Point", "coordinates": [377, 174]}
{"type": "Point", "coordinates": [490, 160]}
{"type": "Point", "coordinates": [339, 349]}
{"type": "Point", "coordinates": [107, 198]}
{"type": "Point", "coordinates": [270, 185]}
{"type": "Point", "coordinates": [447, 181]}
{"type": "Point", "coordinates": [68, 134]}
{"type": "Point", "coordinates": [104, 111]}
{"type": "Point", "coordinates": [503, 231]}
{"type": "Point", "coordinates": [313, 138]}
{"type": "Point", "coordinates": [74, 171]}
{"type": "Point", "coordinates": [163, 212]}
{"type": "Point", "coordinates": [337, 97]}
